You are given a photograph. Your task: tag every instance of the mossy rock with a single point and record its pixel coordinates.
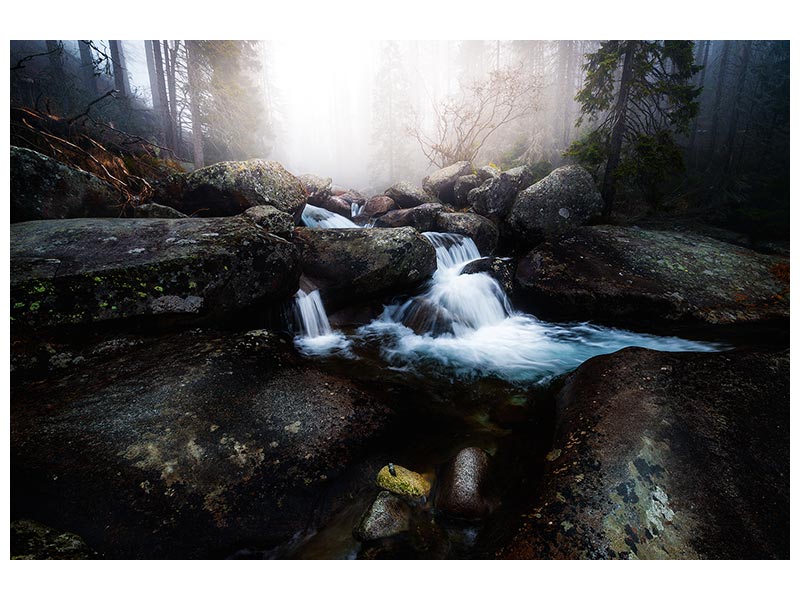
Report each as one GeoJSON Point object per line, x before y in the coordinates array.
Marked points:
{"type": "Point", "coordinates": [405, 483]}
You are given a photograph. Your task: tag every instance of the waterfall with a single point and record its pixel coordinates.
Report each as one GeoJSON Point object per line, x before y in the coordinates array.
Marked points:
{"type": "Point", "coordinates": [355, 209]}
{"type": "Point", "coordinates": [314, 216]}
{"type": "Point", "coordinates": [316, 335]}
{"type": "Point", "coordinates": [463, 325]}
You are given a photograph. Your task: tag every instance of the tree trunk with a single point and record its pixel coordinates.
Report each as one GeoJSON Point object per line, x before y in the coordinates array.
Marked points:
{"type": "Point", "coordinates": [171, 61]}
{"type": "Point", "coordinates": [169, 132]}
{"type": "Point", "coordinates": [693, 138]}
{"type": "Point", "coordinates": [609, 190]}
{"type": "Point", "coordinates": [194, 104]}
{"type": "Point", "coordinates": [723, 67]}
{"type": "Point", "coordinates": [569, 91]}
{"type": "Point", "coordinates": [734, 124]}
{"type": "Point", "coordinates": [155, 90]}
{"type": "Point", "coordinates": [87, 67]}
{"type": "Point", "coordinates": [121, 83]}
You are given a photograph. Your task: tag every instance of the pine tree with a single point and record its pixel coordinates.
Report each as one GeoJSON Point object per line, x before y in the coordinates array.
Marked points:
{"type": "Point", "coordinates": [639, 94]}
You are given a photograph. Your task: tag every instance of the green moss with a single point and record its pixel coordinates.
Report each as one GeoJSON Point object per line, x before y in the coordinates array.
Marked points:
{"type": "Point", "coordinates": [405, 482]}
{"type": "Point", "coordinates": [158, 288]}
{"type": "Point", "coordinates": [34, 306]}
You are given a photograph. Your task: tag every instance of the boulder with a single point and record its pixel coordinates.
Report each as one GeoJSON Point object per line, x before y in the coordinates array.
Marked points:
{"type": "Point", "coordinates": [152, 210]}
{"type": "Point", "coordinates": [665, 455]}
{"type": "Point", "coordinates": [441, 183]}
{"type": "Point", "coordinates": [487, 172]}
{"type": "Point", "coordinates": [31, 540]}
{"type": "Point", "coordinates": [482, 231]}
{"type": "Point", "coordinates": [421, 218]}
{"type": "Point", "coordinates": [423, 316]}
{"type": "Point", "coordinates": [407, 195]}
{"type": "Point", "coordinates": [636, 276]}
{"type": "Point", "coordinates": [500, 269]}
{"type": "Point", "coordinates": [464, 483]}
{"type": "Point", "coordinates": [403, 482]}
{"type": "Point", "coordinates": [190, 446]}
{"type": "Point", "coordinates": [230, 188]}
{"type": "Point", "coordinates": [317, 188]}
{"type": "Point", "coordinates": [352, 265]}
{"type": "Point", "coordinates": [79, 271]}
{"type": "Point", "coordinates": [461, 189]}
{"type": "Point", "coordinates": [387, 516]}
{"type": "Point", "coordinates": [565, 199]}
{"type": "Point", "coordinates": [272, 220]}
{"type": "Point", "coordinates": [377, 206]}
{"type": "Point", "coordinates": [43, 188]}
{"type": "Point", "coordinates": [495, 197]}
{"type": "Point", "coordinates": [335, 204]}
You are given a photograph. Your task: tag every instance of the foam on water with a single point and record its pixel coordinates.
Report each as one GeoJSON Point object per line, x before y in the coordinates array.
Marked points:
{"type": "Point", "coordinates": [314, 216]}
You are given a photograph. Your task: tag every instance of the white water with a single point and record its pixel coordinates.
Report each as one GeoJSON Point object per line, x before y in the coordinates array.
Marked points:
{"type": "Point", "coordinates": [316, 336]}
{"type": "Point", "coordinates": [479, 333]}
{"type": "Point", "coordinates": [314, 216]}
{"type": "Point", "coordinates": [355, 209]}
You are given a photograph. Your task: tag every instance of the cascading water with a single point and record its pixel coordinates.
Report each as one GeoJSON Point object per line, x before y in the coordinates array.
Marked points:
{"type": "Point", "coordinates": [316, 336]}
{"type": "Point", "coordinates": [355, 209]}
{"type": "Point", "coordinates": [464, 324]}
{"type": "Point", "coordinates": [314, 216]}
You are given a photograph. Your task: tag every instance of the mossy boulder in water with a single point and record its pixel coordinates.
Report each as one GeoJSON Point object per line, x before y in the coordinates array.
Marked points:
{"type": "Point", "coordinates": [422, 217]}
{"type": "Point", "coordinates": [480, 229]}
{"type": "Point", "coordinates": [80, 271]}
{"type": "Point", "coordinates": [636, 276]}
{"type": "Point", "coordinates": [44, 188]}
{"type": "Point", "coordinates": [567, 198]}
{"type": "Point", "coordinates": [403, 482]}
{"type": "Point", "coordinates": [352, 265]}
{"type": "Point", "coordinates": [230, 188]}
{"type": "Point", "coordinates": [665, 455]}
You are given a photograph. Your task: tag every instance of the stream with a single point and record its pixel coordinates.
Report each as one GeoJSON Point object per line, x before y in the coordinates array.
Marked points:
{"type": "Point", "coordinates": [470, 370]}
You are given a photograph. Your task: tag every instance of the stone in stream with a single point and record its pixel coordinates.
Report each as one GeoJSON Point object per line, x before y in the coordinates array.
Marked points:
{"type": "Point", "coordinates": [480, 229]}
{"type": "Point", "coordinates": [441, 183]}
{"type": "Point", "coordinates": [404, 482]}
{"type": "Point", "coordinates": [80, 271]}
{"type": "Point", "coordinates": [44, 188]}
{"type": "Point", "coordinates": [423, 316]}
{"type": "Point", "coordinates": [335, 204]}
{"type": "Point", "coordinates": [188, 446]}
{"type": "Point", "coordinates": [407, 195]}
{"type": "Point", "coordinates": [499, 269]}
{"type": "Point", "coordinates": [633, 276]}
{"type": "Point", "coordinates": [463, 485]}
{"type": "Point", "coordinates": [422, 217]}
{"type": "Point", "coordinates": [378, 206]}
{"type": "Point", "coordinates": [567, 198]}
{"type": "Point", "coordinates": [318, 189]}
{"type": "Point", "coordinates": [388, 515]}
{"type": "Point", "coordinates": [353, 265]}
{"type": "Point", "coordinates": [229, 188]}
{"type": "Point", "coordinates": [495, 197]}
{"type": "Point", "coordinates": [665, 455]}
{"type": "Point", "coordinates": [272, 220]}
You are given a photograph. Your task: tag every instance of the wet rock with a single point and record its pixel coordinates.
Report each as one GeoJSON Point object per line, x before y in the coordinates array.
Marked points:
{"type": "Point", "coordinates": [463, 485]}
{"type": "Point", "coordinates": [500, 269]}
{"type": "Point", "coordinates": [152, 210]}
{"type": "Point", "coordinates": [318, 189]}
{"type": "Point", "coordinates": [230, 188]}
{"type": "Point", "coordinates": [31, 540]}
{"type": "Point", "coordinates": [335, 204]}
{"type": "Point", "coordinates": [378, 206]}
{"type": "Point", "coordinates": [423, 316]}
{"type": "Point", "coordinates": [441, 183]}
{"type": "Point", "coordinates": [495, 197]}
{"type": "Point", "coordinates": [272, 220]}
{"type": "Point", "coordinates": [463, 186]}
{"type": "Point", "coordinates": [482, 231]}
{"type": "Point", "coordinates": [189, 446]}
{"type": "Point", "coordinates": [407, 195]}
{"type": "Point", "coordinates": [666, 455]}
{"type": "Point", "coordinates": [404, 482]}
{"type": "Point", "coordinates": [79, 271]}
{"type": "Point", "coordinates": [422, 217]}
{"type": "Point", "coordinates": [565, 199]}
{"type": "Point", "coordinates": [43, 188]}
{"type": "Point", "coordinates": [629, 275]}
{"type": "Point", "coordinates": [387, 516]}
{"type": "Point", "coordinates": [352, 265]}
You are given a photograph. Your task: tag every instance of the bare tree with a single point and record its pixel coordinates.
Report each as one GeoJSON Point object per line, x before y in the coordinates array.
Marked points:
{"type": "Point", "coordinates": [465, 123]}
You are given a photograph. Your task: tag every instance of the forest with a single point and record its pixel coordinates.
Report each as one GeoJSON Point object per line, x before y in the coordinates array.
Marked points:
{"type": "Point", "coordinates": [462, 299]}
